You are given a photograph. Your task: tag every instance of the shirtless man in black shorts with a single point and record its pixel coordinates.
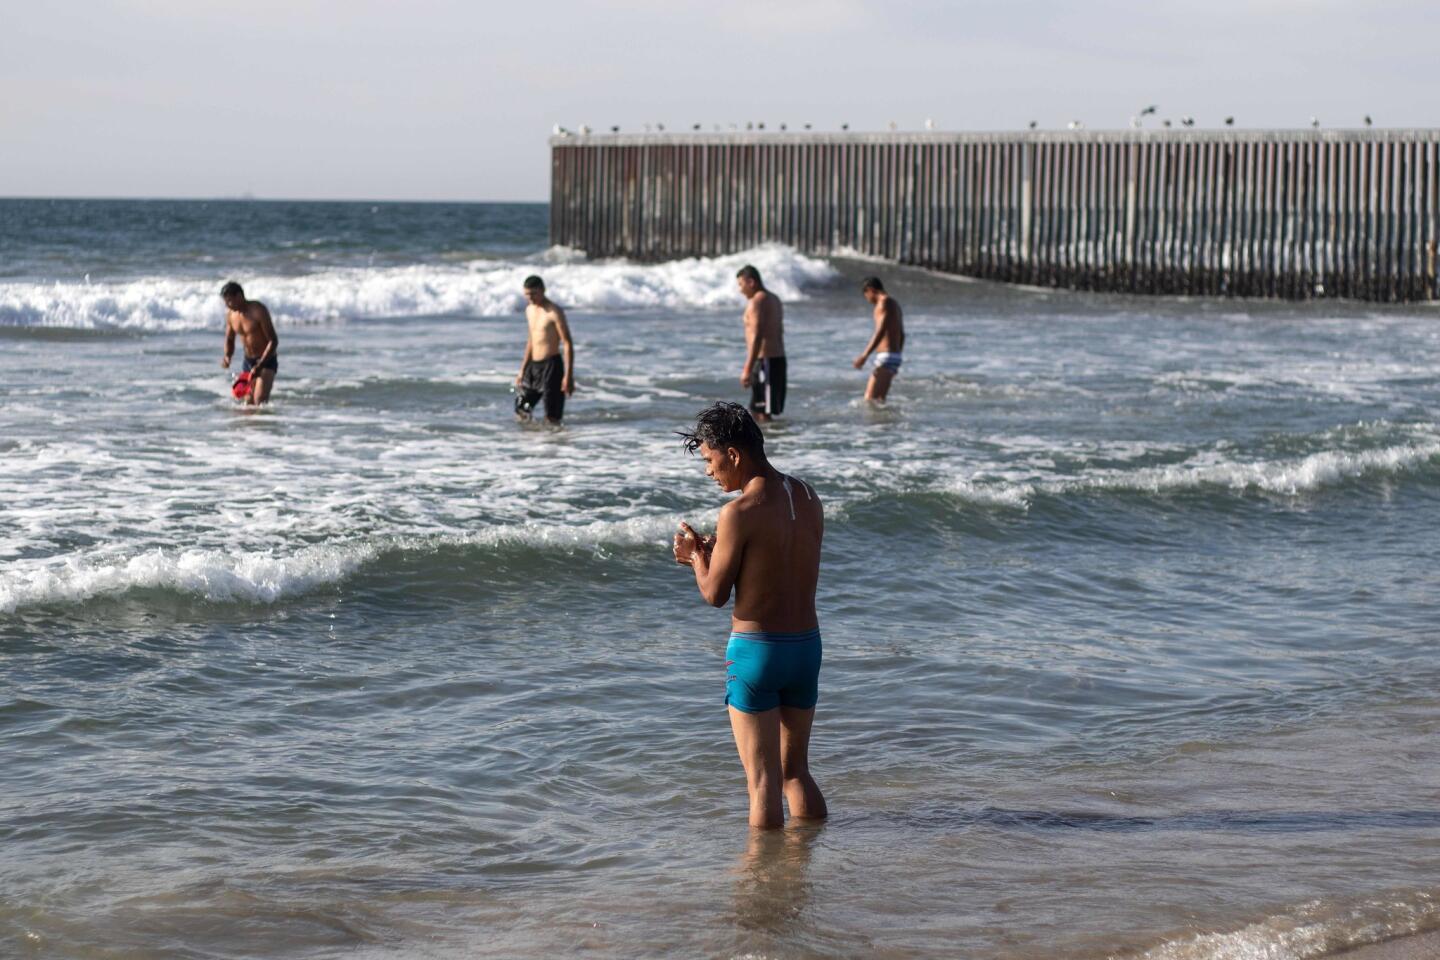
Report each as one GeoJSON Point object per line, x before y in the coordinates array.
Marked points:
{"type": "Point", "coordinates": [543, 373]}
{"type": "Point", "coordinates": [251, 320]}
{"type": "Point", "coordinates": [764, 371]}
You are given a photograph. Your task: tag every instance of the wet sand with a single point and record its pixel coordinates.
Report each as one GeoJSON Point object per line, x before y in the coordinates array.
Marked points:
{"type": "Point", "coordinates": [1421, 946]}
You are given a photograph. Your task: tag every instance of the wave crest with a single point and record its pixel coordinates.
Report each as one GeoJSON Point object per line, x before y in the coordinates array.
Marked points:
{"type": "Point", "coordinates": [482, 288]}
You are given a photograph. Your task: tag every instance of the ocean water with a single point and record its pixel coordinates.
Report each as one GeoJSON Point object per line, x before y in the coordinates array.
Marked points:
{"type": "Point", "coordinates": [1130, 609]}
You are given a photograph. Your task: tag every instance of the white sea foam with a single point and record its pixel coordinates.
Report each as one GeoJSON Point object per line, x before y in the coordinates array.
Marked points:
{"type": "Point", "coordinates": [483, 288]}
{"type": "Point", "coordinates": [1310, 930]}
{"type": "Point", "coordinates": [1291, 477]}
{"type": "Point", "coordinates": [221, 575]}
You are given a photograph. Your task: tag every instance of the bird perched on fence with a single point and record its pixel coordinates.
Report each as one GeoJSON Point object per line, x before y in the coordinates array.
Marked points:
{"type": "Point", "coordinates": [759, 126]}
{"type": "Point", "coordinates": [559, 131]}
{"type": "Point", "coordinates": [1367, 120]}
{"type": "Point", "coordinates": [807, 126]}
{"type": "Point", "coordinates": [894, 126]}
{"type": "Point", "coordinates": [1315, 122]}
{"type": "Point", "coordinates": [782, 127]}
{"type": "Point", "coordinates": [660, 127]}
{"type": "Point", "coordinates": [844, 126]}
{"type": "Point", "coordinates": [929, 124]}
{"type": "Point", "coordinates": [1229, 121]}
{"type": "Point", "coordinates": [1033, 124]}
{"type": "Point", "coordinates": [585, 130]}
{"type": "Point", "coordinates": [1165, 124]}
{"type": "Point", "coordinates": [615, 128]}
{"type": "Point", "coordinates": [1135, 122]}
{"type": "Point", "coordinates": [1075, 125]}
{"type": "Point", "coordinates": [695, 127]}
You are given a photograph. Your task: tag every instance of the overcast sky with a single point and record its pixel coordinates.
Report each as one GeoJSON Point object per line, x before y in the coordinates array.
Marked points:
{"type": "Point", "coordinates": [442, 100]}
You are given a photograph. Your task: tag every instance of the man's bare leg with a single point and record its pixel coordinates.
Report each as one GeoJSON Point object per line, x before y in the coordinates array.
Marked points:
{"type": "Point", "coordinates": [757, 738]}
{"type": "Point", "coordinates": [879, 385]}
{"type": "Point", "coordinates": [804, 796]}
{"type": "Point", "coordinates": [264, 380]}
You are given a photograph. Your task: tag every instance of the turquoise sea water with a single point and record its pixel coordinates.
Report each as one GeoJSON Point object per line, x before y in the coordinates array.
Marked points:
{"type": "Point", "coordinates": [1129, 607]}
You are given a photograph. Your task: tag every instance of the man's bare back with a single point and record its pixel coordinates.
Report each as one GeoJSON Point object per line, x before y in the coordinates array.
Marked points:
{"type": "Point", "coordinates": [765, 324]}
{"type": "Point", "coordinates": [777, 523]}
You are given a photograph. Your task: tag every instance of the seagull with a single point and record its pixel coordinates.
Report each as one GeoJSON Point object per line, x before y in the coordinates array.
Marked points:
{"type": "Point", "coordinates": [1167, 124]}
{"type": "Point", "coordinates": [1135, 122]}
{"type": "Point", "coordinates": [1149, 110]}
{"type": "Point", "coordinates": [894, 125]}
{"type": "Point", "coordinates": [1368, 121]}
{"type": "Point", "coordinates": [615, 129]}
{"type": "Point", "coordinates": [1315, 122]}
{"type": "Point", "coordinates": [759, 126]}
{"type": "Point", "coordinates": [782, 126]}
{"type": "Point", "coordinates": [1229, 121]}
{"type": "Point", "coordinates": [1188, 121]}
{"type": "Point", "coordinates": [1032, 124]}
{"type": "Point", "coordinates": [807, 126]}
{"type": "Point", "coordinates": [660, 127]}
{"type": "Point", "coordinates": [696, 127]}
{"type": "Point", "coordinates": [844, 126]}
{"type": "Point", "coordinates": [1075, 125]}
{"type": "Point", "coordinates": [559, 131]}
{"type": "Point", "coordinates": [929, 124]}
{"type": "Point", "coordinates": [749, 125]}
{"type": "Point", "coordinates": [585, 130]}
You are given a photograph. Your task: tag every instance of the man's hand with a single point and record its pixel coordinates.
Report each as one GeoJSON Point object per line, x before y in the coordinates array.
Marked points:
{"type": "Point", "coordinates": [225, 361]}
{"type": "Point", "coordinates": [859, 361]}
{"type": "Point", "coordinates": [518, 376]}
{"type": "Point", "coordinates": [568, 387]}
{"type": "Point", "coordinates": [745, 377]}
{"type": "Point", "coordinates": [686, 543]}
{"type": "Point", "coordinates": [689, 545]}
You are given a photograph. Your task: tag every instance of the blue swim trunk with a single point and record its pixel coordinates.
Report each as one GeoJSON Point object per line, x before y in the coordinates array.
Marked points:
{"type": "Point", "coordinates": [768, 670]}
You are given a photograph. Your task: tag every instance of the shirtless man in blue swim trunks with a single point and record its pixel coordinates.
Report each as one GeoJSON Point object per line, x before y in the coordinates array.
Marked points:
{"type": "Point", "coordinates": [886, 343]}
{"type": "Point", "coordinates": [766, 548]}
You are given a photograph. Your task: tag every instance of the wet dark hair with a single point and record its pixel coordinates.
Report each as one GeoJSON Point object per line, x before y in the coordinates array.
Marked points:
{"type": "Point", "coordinates": [232, 288]}
{"type": "Point", "coordinates": [723, 425]}
{"type": "Point", "coordinates": [872, 283]}
{"type": "Point", "coordinates": [533, 282]}
{"type": "Point", "coordinates": [751, 273]}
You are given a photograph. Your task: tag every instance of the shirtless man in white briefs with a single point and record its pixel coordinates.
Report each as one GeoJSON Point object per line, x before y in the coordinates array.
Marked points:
{"type": "Point", "coordinates": [886, 343]}
{"type": "Point", "coordinates": [545, 372]}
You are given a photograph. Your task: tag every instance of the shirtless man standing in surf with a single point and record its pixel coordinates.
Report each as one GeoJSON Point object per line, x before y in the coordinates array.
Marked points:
{"type": "Point", "coordinates": [251, 320]}
{"type": "Point", "coordinates": [766, 549]}
{"type": "Point", "coordinates": [764, 370]}
{"type": "Point", "coordinates": [886, 343]}
{"type": "Point", "coordinates": [542, 372]}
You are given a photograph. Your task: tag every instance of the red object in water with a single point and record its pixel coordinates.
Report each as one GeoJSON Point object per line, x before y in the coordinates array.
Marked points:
{"type": "Point", "coordinates": [241, 388]}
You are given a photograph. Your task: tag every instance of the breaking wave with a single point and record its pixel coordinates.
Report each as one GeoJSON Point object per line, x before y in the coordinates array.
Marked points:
{"type": "Point", "coordinates": [481, 288]}
{"type": "Point", "coordinates": [221, 575]}
{"type": "Point", "coordinates": [1288, 477]}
